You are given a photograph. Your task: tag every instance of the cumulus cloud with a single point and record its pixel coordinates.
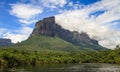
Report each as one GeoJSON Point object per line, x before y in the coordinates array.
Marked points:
{"type": "Point", "coordinates": [98, 19]}
{"type": "Point", "coordinates": [27, 22]}
{"type": "Point", "coordinates": [25, 12]}
{"type": "Point", "coordinates": [53, 3]}
{"type": "Point", "coordinates": [99, 27]}
{"type": "Point", "coordinates": [50, 3]}
{"type": "Point", "coordinates": [19, 35]}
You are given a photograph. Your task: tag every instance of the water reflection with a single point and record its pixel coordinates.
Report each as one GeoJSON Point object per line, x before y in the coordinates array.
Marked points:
{"type": "Point", "coordinates": [86, 67]}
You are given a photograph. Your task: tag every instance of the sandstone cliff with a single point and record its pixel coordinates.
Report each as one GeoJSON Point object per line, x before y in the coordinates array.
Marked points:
{"type": "Point", "coordinates": [5, 42]}
{"type": "Point", "coordinates": [48, 27]}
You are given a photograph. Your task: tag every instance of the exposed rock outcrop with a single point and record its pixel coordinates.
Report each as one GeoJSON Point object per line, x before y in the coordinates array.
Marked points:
{"type": "Point", "coordinates": [48, 27]}
{"type": "Point", "coordinates": [5, 42]}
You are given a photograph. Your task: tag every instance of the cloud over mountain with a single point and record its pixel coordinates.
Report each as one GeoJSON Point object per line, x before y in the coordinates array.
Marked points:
{"type": "Point", "coordinates": [19, 35]}
{"type": "Point", "coordinates": [97, 20]}
{"type": "Point", "coordinates": [100, 19]}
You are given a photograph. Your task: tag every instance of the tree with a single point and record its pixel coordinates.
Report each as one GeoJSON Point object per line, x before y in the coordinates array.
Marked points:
{"type": "Point", "coordinates": [117, 47]}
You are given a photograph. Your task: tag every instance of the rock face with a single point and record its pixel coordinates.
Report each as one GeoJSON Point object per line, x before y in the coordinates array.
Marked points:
{"type": "Point", "coordinates": [45, 27]}
{"type": "Point", "coordinates": [5, 42]}
{"type": "Point", "coordinates": [48, 27]}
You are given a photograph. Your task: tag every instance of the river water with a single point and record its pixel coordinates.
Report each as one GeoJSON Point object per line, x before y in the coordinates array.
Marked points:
{"type": "Point", "coordinates": [85, 67]}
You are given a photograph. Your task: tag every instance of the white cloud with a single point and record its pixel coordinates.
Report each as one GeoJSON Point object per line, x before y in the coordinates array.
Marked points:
{"type": "Point", "coordinates": [50, 3]}
{"type": "Point", "coordinates": [71, 4]}
{"type": "Point", "coordinates": [19, 35]}
{"type": "Point", "coordinates": [25, 30]}
{"type": "Point", "coordinates": [26, 14]}
{"type": "Point", "coordinates": [25, 11]}
{"type": "Point", "coordinates": [110, 39]}
{"type": "Point", "coordinates": [27, 22]}
{"type": "Point", "coordinates": [2, 31]}
{"type": "Point", "coordinates": [97, 27]}
{"type": "Point", "coordinates": [15, 37]}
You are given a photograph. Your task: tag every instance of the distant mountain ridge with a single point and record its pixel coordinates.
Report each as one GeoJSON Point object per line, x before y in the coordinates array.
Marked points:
{"type": "Point", "coordinates": [5, 42]}
{"type": "Point", "coordinates": [48, 27]}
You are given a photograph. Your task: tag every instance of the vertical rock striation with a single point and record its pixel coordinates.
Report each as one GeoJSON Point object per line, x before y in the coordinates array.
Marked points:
{"type": "Point", "coordinates": [48, 27]}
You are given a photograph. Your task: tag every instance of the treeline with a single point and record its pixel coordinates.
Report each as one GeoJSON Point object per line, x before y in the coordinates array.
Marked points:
{"type": "Point", "coordinates": [13, 57]}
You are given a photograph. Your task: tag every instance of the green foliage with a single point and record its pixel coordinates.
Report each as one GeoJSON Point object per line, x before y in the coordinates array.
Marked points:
{"type": "Point", "coordinates": [48, 44]}
{"type": "Point", "coordinates": [117, 47]}
{"type": "Point", "coordinates": [49, 50]}
{"type": "Point", "coordinates": [14, 57]}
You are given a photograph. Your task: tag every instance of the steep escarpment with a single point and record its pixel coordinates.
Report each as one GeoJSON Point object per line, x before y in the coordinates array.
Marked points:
{"type": "Point", "coordinates": [48, 27]}
{"type": "Point", "coordinates": [5, 42]}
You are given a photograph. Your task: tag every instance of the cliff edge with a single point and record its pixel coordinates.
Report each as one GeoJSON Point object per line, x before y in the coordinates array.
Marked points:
{"type": "Point", "coordinates": [48, 27]}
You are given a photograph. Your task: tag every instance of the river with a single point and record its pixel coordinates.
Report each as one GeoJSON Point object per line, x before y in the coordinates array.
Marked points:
{"type": "Point", "coordinates": [85, 67]}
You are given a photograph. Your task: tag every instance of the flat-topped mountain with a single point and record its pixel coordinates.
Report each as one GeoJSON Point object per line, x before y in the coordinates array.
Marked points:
{"type": "Point", "coordinates": [48, 27]}
{"type": "Point", "coordinates": [5, 42]}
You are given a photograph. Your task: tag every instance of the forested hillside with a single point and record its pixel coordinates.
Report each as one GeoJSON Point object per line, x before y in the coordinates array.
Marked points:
{"type": "Point", "coordinates": [13, 57]}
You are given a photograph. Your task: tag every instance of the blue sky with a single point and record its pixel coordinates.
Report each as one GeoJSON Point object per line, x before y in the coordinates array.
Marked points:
{"type": "Point", "coordinates": [99, 18]}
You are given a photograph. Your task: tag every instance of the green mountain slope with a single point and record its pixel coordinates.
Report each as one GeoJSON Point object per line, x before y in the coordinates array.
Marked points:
{"type": "Point", "coordinates": [46, 43]}
{"type": "Point", "coordinates": [48, 27]}
{"type": "Point", "coordinates": [49, 36]}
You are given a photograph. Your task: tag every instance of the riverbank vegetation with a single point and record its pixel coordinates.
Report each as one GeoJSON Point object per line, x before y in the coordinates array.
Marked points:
{"type": "Point", "coordinates": [14, 57]}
